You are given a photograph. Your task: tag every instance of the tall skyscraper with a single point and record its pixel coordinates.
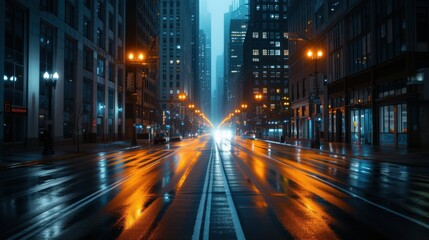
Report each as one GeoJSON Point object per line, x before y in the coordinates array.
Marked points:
{"type": "Point", "coordinates": [235, 33]}
{"type": "Point", "coordinates": [203, 89]}
{"type": "Point", "coordinates": [142, 66]}
{"type": "Point", "coordinates": [266, 79]}
{"type": "Point", "coordinates": [176, 78]}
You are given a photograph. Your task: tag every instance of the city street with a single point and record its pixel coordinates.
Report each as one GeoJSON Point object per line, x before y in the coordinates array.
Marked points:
{"type": "Point", "coordinates": [214, 187]}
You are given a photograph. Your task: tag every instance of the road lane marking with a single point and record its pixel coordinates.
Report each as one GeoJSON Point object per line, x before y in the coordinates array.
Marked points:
{"type": "Point", "coordinates": [206, 233]}
{"type": "Point", "coordinates": [420, 223]}
{"type": "Point", "coordinates": [235, 220]}
{"type": "Point", "coordinates": [199, 219]}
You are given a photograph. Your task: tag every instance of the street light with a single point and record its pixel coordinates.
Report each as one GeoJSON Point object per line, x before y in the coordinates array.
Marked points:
{"type": "Point", "coordinates": [258, 98]}
{"type": "Point", "coordinates": [182, 98]}
{"type": "Point", "coordinates": [315, 55]}
{"type": "Point", "coordinates": [141, 115]}
{"type": "Point", "coordinates": [135, 58]}
{"type": "Point", "coordinates": [50, 84]}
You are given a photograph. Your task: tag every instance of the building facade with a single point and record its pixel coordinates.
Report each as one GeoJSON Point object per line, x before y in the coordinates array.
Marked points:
{"type": "Point", "coordinates": [375, 70]}
{"type": "Point", "coordinates": [83, 42]}
{"type": "Point", "coordinates": [176, 73]}
{"type": "Point", "coordinates": [203, 86]}
{"type": "Point", "coordinates": [141, 73]}
{"type": "Point", "coordinates": [266, 69]}
{"type": "Point", "coordinates": [235, 33]}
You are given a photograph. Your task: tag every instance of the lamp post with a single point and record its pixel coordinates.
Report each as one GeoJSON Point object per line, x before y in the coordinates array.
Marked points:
{"type": "Point", "coordinates": [315, 55]}
{"type": "Point", "coordinates": [244, 113]}
{"type": "Point", "coordinates": [182, 99]}
{"type": "Point", "coordinates": [258, 98]}
{"type": "Point", "coordinates": [191, 117]}
{"type": "Point", "coordinates": [136, 58]}
{"type": "Point", "coordinates": [50, 84]}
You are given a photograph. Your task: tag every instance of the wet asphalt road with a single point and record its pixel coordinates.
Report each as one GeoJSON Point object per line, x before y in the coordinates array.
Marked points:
{"type": "Point", "coordinates": [211, 188]}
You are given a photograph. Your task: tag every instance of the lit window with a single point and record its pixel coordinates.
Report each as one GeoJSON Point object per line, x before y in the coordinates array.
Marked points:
{"type": "Point", "coordinates": [255, 52]}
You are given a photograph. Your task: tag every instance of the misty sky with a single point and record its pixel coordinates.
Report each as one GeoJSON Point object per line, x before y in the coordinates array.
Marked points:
{"type": "Point", "coordinates": [217, 8]}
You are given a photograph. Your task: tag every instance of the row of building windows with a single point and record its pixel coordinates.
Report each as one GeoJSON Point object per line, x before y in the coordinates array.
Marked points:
{"type": "Point", "coordinates": [269, 52]}
{"type": "Point", "coordinates": [267, 35]}
{"type": "Point", "coordinates": [265, 74]}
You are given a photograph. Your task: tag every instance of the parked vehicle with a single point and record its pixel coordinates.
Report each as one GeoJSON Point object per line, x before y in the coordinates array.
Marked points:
{"type": "Point", "coordinates": [161, 138]}
{"type": "Point", "coordinates": [176, 137]}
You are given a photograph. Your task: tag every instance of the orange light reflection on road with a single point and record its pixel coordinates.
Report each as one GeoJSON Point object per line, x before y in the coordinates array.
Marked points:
{"type": "Point", "coordinates": [185, 176]}
{"type": "Point", "coordinates": [304, 217]}
{"type": "Point", "coordinates": [134, 210]}
{"type": "Point", "coordinates": [310, 214]}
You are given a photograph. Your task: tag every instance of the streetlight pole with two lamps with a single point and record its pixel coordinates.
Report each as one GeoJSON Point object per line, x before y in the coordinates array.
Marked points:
{"type": "Point", "coordinates": [314, 113]}
{"type": "Point", "coordinates": [259, 112]}
{"type": "Point", "coordinates": [50, 83]}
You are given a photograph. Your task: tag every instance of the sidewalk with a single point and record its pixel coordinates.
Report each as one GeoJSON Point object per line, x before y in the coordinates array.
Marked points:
{"type": "Point", "coordinates": [416, 157]}
{"type": "Point", "coordinates": [10, 158]}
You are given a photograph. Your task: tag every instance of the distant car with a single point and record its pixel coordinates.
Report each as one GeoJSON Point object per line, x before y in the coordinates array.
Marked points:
{"type": "Point", "coordinates": [249, 135]}
{"type": "Point", "coordinates": [193, 135]}
{"type": "Point", "coordinates": [176, 137]}
{"type": "Point", "coordinates": [161, 138]}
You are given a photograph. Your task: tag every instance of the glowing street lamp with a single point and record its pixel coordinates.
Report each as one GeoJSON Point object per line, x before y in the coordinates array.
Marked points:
{"type": "Point", "coordinates": [50, 84]}
{"type": "Point", "coordinates": [315, 55]}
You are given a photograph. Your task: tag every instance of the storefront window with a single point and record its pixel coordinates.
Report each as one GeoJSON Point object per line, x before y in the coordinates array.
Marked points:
{"type": "Point", "coordinates": [390, 133]}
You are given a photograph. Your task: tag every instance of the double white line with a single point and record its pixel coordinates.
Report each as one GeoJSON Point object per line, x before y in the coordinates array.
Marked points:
{"type": "Point", "coordinates": [206, 200]}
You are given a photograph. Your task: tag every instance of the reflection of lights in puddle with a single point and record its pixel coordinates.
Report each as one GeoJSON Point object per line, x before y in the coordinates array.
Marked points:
{"type": "Point", "coordinates": [53, 231]}
{"type": "Point", "coordinates": [167, 197]}
{"type": "Point", "coordinates": [261, 204]}
{"type": "Point", "coordinates": [102, 170]}
{"type": "Point", "coordinates": [134, 211]}
{"type": "Point", "coordinates": [298, 155]}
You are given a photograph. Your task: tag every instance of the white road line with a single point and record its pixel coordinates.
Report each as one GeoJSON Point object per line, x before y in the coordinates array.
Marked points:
{"type": "Point", "coordinates": [420, 223]}
{"type": "Point", "coordinates": [237, 226]}
{"type": "Point", "coordinates": [206, 233]}
{"type": "Point", "coordinates": [199, 219]}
